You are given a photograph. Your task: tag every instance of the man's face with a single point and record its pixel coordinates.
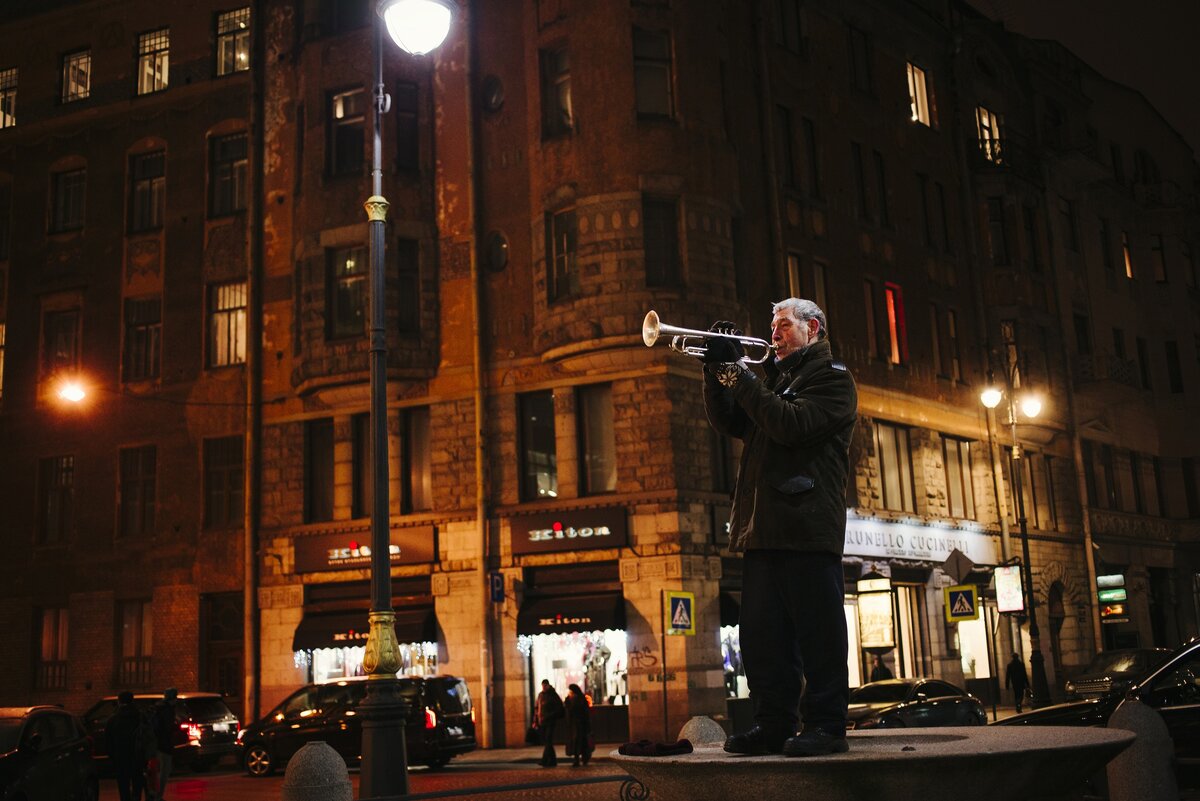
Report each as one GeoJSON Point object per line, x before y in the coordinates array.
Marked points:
{"type": "Point", "coordinates": [791, 334]}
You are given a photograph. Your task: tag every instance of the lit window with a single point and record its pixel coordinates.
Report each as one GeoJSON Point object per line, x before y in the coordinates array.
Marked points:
{"type": "Point", "coordinates": [918, 95]}
{"type": "Point", "coordinates": [233, 41]}
{"type": "Point", "coordinates": [895, 467]}
{"type": "Point", "coordinates": [52, 649]}
{"type": "Point", "coordinates": [1127, 253]}
{"type": "Point", "coordinates": [77, 76]}
{"type": "Point", "coordinates": [960, 497]}
{"type": "Point", "coordinates": [988, 126]}
{"type": "Point", "coordinates": [226, 324]}
{"type": "Point", "coordinates": [897, 335]}
{"type": "Point", "coordinates": [347, 300]}
{"type": "Point", "coordinates": [416, 480]}
{"type": "Point", "coordinates": [154, 56]}
{"type": "Point", "coordinates": [8, 97]}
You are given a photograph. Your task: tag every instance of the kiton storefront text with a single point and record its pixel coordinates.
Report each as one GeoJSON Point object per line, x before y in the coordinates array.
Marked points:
{"type": "Point", "coordinates": [570, 530]}
{"type": "Point", "coordinates": [559, 532]}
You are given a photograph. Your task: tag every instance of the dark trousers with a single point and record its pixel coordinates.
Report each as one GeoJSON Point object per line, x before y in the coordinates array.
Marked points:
{"type": "Point", "coordinates": [793, 634]}
{"type": "Point", "coordinates": [549, 757]}
{"type": "Point", "coordinates": [1018, 696]}
{"type": "Point", "coordinates": [130, 781]}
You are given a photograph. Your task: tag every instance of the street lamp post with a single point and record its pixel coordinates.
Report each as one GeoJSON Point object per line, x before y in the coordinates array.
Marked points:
{"type": "Point", "coordinates": [1031, 406]}
{"type": "Point", "coordinates": [418, 26]}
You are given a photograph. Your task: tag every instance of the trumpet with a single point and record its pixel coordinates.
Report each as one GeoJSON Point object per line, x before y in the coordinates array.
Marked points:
{"type": "Point", "coordinates": [652, 329]}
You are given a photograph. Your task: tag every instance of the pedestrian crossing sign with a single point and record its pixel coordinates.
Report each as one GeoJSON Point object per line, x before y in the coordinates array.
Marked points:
{"type": "Point", "coordinates": [681, 613]}
{"type": "Point", "coordinates": [962, 603]}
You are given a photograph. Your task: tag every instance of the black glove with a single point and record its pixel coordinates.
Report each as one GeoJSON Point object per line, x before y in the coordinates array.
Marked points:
{"type": "Point", "coordinates": [721, 350]}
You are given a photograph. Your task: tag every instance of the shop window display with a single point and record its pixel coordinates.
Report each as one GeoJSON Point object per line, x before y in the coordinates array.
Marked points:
{"type": "Point", "coordinates": [597, 661]}
{"type": "Point", "coordinates": [330, 664]}
{"type": "Point", "coordinates": [731, 660]}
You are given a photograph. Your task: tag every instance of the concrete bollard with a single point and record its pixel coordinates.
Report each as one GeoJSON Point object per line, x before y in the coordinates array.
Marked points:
{"type": "Point", "coordinates": [317, 773]}
{"type": "Point", "coordinates": [1145, 771]}
{"type": "Point", "coordinates": [702, 730]}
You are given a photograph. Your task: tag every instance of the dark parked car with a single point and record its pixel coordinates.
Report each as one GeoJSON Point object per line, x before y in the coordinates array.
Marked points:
{"type": "Point", "coordinates": [441, 723]}
{"type": "Point", "coordinates": [45, 754]}
{"type": "Point", "coordinates": [1173, 688]}
{"type": "Point", "coordinates": [899, 703]}
{"type": "Point", "coordinates": [1114, 671]}
{"type": "Point", "coordinates": [207, 729]}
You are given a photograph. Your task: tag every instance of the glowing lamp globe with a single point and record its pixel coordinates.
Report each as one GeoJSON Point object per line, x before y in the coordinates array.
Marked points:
{"type": "Point", "coordinates": [418, 26]}
{"type": "Point", "coordinates": [71, 391]}
{"type": "Point", "coordinates": [990, 397]}
{"type": "Point", "coordinates": [1031, 405]}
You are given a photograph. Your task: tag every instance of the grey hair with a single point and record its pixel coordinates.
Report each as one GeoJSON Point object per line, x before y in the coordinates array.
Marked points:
{"type": "Point", "coordinates": [802, 310]}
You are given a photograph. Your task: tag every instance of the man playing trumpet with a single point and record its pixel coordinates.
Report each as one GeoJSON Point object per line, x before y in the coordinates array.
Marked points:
{"type": "Point", "coordinates": [789, 520]}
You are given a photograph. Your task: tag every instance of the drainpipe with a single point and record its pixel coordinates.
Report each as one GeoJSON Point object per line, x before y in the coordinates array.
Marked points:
{"type": "Point", "coordinates": [252, 489]}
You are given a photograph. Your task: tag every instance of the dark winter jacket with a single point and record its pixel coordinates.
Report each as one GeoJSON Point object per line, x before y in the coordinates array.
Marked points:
{"type": "Point", "coordinates": [121, 734]}
{"type": "Point", "coordinates": [579, 724]}
{"type": "Point", "coordinates": [796, 426]}
{"type": "Point", "coordinates": [166, 728]}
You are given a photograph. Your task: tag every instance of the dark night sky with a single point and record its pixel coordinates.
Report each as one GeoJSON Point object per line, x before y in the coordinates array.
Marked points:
{"type": "Point", "coordinates": [1149, 46]}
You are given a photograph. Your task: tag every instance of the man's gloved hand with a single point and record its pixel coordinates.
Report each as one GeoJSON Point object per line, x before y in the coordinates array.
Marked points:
{"type": "Point", "coordinates": [719, 350]}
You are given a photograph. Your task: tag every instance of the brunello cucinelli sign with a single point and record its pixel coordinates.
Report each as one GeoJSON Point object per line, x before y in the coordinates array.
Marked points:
{"type": "Point", "coordinates": [409, 546]}
{"type": "Point", "coordinates": [570, 530]}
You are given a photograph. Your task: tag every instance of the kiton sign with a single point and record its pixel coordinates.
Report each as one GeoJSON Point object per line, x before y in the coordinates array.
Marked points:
{"type": "Point", "coordinates": [578, 530]}
{"type": "Point", "coordinates": [563, 620]}
{"type": "Point", "coordinates": [408, 546]}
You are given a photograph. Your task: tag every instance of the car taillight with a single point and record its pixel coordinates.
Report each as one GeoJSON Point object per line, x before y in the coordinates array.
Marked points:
{"type": "Point", "coordinates": [472, 714]}
{"type": "Point", "coordinates": [430, 718]}
{"type": "Point", "coordinates": [192, 729]}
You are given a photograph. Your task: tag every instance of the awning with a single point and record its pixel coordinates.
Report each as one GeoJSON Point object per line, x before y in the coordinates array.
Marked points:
{"type": "Point", "coordinates": [562, 614]}
{"type": "Point", "coordinates": [731, 607]}
{"type": "Point", "coordinates": [349, 629]}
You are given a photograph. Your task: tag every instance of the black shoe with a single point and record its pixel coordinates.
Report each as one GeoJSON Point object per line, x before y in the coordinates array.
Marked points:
{"type": "Point", "coordinates": [815, 743]}
{"type": "Point", "coordinates": [756, 741]}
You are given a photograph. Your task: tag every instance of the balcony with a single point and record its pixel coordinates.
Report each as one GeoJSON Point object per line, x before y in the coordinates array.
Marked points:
{"type": "Point", "coordinates": [1103, 368]}
{"type": "Point", "coordinates": [51, 676]}
{"type": "Point", "coordinates": [134, 671]}
{"type": "Point", "coordinates": [1163, 195]}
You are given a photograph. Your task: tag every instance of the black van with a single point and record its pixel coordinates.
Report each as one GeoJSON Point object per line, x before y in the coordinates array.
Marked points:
{"type": "Point", "coordinates": [208, 730]}
{"type": "Point", "coordinates": [441, 723]}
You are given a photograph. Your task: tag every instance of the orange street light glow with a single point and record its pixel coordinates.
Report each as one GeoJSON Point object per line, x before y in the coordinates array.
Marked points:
{"type": "Point", "coordinates": [71, 391]}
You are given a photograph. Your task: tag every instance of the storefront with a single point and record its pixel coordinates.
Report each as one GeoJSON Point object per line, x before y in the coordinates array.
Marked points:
{"type": "Point", "coordinates": [329, 643]}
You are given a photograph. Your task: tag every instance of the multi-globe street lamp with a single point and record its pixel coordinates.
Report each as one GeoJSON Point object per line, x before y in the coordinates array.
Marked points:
{"type": "Point", "coordinates": [418, 27]}
{"type": "Point", "coordinates": [1031, 406]}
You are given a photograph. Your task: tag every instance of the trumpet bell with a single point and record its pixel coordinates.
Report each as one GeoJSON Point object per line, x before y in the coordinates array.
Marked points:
{"type": "Point", "coordinates": [650, 328]}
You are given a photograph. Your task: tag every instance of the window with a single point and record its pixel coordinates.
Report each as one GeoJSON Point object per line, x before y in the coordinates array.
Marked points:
{"type": "Point", "coordinates": [67, 191]}
{"type": "Point", "coordinates": [918, 96]}
{"type": "Point", "coordinates": [347, 126]}
{"type": "Point", "coordinates": [881, 179]}
{"type": "Point", "coordinates": [652, 80]}
{"type": "Point", "coordinates": [987, 124]}
{"type": "Point", "coordinates": [860, 182]}
{"type": "Point", "coordinates": [784, 156]}
{"type": "Point", "coordinates": [227, 175]}
{"type": "Point", "coordinates": [870, 316]}
{"type": "Point", "coordinates": [77, 76]}
{"type": "Point", "coordinates": [795, 285]}
{"type": "Point", "coordinates": [897, 329]}
{"type": "Point", "coordinates": [154, 56]}
{"type": "Point", "coordinates": [952, 345]}
{"type": "Point", "coordinates": [1119, 343]}
{"type": "Point", "coordinates": [318, 470]}
{"type": "Point", "coordinates": [1174, 371]}
{"type": "Point", "coordinates": [557, 118]}
{"type": "Point", "coordinates": [223, 477]}
{"type": "Point", "coordinates": [597, 442]}
{"type": "Point", "coordinates": [1032, 245]}
{"type": "Point", "coordinates": [416, 480]}
{"type": "Point", "coordinates": [143, 333]}
{"type": "Point", "coordinates": [60, 343]}
{"type": "Point", "coordinates": [346, 303]}
{"type": "Point", "coordinates": [1143, 358]}
{"type": "Point", "coordinates": [137, 491]}
{"type": "Point", "coordinates": [408, 272]}
{"type": "Point", "coordinates": [818, 285]}
{"type": "Point", "coordinates": [1135, 483]}
{"type": "Point", "coordinates": [147, 191]}
{"type": "Point", "coordinates": [1190, 491]}
{"type": "Point", "coordinates": [661, 230]}
{"type": "Point", "coordinates": [408, 142]}
{"type": "Point", "coordinates": [936, 339]}
{"type": "Point", "coordinates": [56, 499]}
{"type": "Point", "coordinates": [923, 202]}
{"type": "Point", "coordinates": [960, 495]}
{"type": "Point", "coordinates": [51, 658]}
{"type": "Point", "coordinates": [226, 324]}
{"type": "Point", "coordinates": [814, 160]}
{"type": "Point", "coordinates": [1036, 489]}
{"type": "Point", "coordinates": [8, 97]}
{"type": "Point", "coordinates": [895, 466]}
{"type": "Point", "coordinates": [5, 219]}
{"type": "Point", "coordinates": [363, 487]}
{"type": "Point", "coordinates": [562, 274]}
{"type": "Point", "coordinates": [345, 15]}
{"type": "Point", "coordinates": [1160, 258]}
{"type": "Point", "coordinates": [944, 215]}
{"type": "Point", "coordinates": [1106, 247]}
{"type": "Point", "coordinates": [1126, 252]}
{"type": "Point", "coordinates": [997, 231]}
{"type": "Point", "coordinates": [860, 60]}
{"type": "Point", "coordinates": [1066, 209]}
{"type": "Point", "coordinates": [135, 621]}
{"type": "Point", "coordinates": [1083, 334]}
{"type": "Point", "coordinates": [539, 467]}
{"type": "Point", "coordinates": [233, 41]}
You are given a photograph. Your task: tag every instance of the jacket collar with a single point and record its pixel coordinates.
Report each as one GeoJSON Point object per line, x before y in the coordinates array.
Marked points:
{"type": "Point", "coordinates": [817, 351]}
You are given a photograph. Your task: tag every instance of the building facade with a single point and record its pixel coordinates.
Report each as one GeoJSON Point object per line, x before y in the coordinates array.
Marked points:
{"type": "Point", "coordinates": [967, 206]}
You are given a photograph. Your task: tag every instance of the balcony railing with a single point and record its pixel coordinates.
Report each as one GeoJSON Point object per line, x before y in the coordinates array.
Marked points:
{"type": "Point", "coordinates": [51, 676]}
{"type": "Point", "coordinates": [1107, 368]}
{"type": "Point", "coordinates": [134, 671]}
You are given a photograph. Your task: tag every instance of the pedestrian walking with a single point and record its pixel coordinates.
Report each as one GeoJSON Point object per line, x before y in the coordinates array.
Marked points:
{"type": "Point", "coordinates": [548, 710]}
{"type": "Point", "coordinates": [579, 726]}
{"type": "Point", "coordinates": [1018, 679]}
{"type": "Point", "coordinates": [881, 671]}
{"type": "Point", "coordinates": [124, 751]}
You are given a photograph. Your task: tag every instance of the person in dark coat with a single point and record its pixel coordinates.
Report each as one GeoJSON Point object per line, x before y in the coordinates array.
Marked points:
{"type": "Point", "coordinates": [166, 729]}
{"type": "Point", "coordinates": [880, 671]}
{"type": "Point", "coordinates": [789, 521]}
{"type": "Point", "coordinates": [1018, 679]}
{"type": "Point", "coordinates": [121, 735]}
{"type": "Point", "coordinates": [548, 709]}
{"type": "Point", "coordinates": [579, 725]}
